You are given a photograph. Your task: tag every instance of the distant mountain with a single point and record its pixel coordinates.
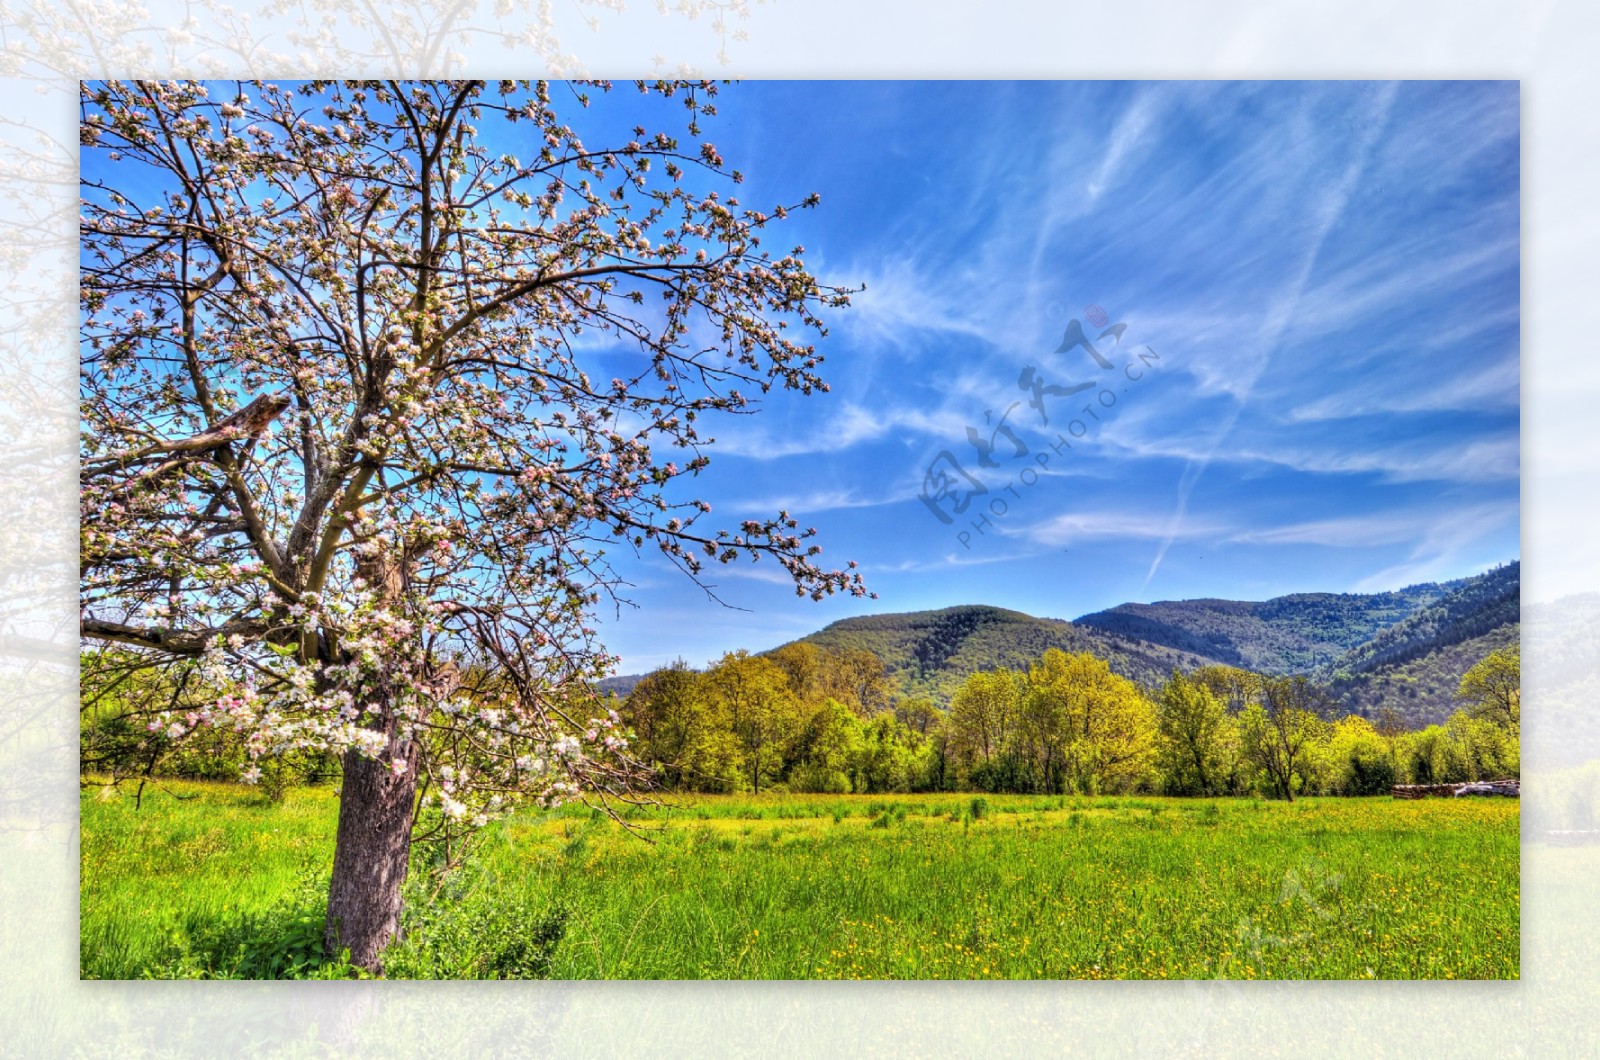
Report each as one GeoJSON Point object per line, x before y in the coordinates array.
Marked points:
{"type": "Point", "coordinates": [1473, 607]}
{"type": "Point", "coordinates": [620, 684]}
{"type": "Point", "coordinates": [1287, 634]}
{"type": "Point", "coordinates": [931, 652]}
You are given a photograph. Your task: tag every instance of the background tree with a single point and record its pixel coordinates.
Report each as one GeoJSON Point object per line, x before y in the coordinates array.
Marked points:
{"type": "Point", "coordinates": [1492, 689]}
{"type": "Point", "coordinates": [1193, 744]}
{"type": "Point", "coordinates": [751, 692]}
{"type": "Point", "coordinates": [983, 714]}
{"type": "Point", "coordinates": [1360, 760]}
{"type": "Point", "coordinates": [675, 730]}
{"type": "Point", "coordinates": [827, 750]}
{"type": "Point", "coordinates": [891, 757]}
{"type": "Point", "coordinates": [918, 714]}
{"type": "Point", "coordinates": [1087, 728]}
{"type": "Point", "coordinates": [1236, 688]}
{"type": "Point", "coordinates": [339, 446]}
{"type": "Point", "coordinates": [1276, 732]}
{"type": "Point", "coordinates": [856, 677]}
{"type": "Point", "coordinates": [803, 666]}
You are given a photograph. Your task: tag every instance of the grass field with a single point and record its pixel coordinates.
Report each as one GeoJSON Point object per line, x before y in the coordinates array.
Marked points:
{"type": "Point", "coordinates": [795, 887]}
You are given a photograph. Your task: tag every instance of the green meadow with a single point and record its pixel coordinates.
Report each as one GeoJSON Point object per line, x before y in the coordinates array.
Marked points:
{"type": "Point", "coordinates": [212, 880]}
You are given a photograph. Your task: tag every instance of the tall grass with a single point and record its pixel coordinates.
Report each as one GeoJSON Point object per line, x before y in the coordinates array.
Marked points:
{"type": "Point", "coordinates": [922, 886]}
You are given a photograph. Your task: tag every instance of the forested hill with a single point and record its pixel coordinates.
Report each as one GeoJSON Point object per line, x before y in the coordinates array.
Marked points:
{"type": "Point", "coordinates": [1414, 666]}
{"type": "Point", "coordinates": [930, 653]}
{"type": "Point", "coordinates": [1287, 634]}
{"type": "Point", "coordinates": [1473, 607]}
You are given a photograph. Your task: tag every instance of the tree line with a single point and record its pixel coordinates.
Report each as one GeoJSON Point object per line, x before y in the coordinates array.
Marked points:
{"type": "Point", "coordinates": [811, 719]}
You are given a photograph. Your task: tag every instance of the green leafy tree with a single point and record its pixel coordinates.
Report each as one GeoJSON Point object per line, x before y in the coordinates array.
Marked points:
{"type": "Point", "coordinates": [983, 715]}
{"type": "Point", "coordinates": [681, 732]}
{"type": "Point", "coordinates": [1195, 735]}
{"type": "Point", "coordinates": [829, 748]}
{"type": "Point", "coordinates": [752, 694]}
{"type": "Point", "coordinates": [1492, 689]}
{"type": "Point", "coordinates": [1276, 732]}
{"type": "Point", "coordinates": [918, 714]}
{"type": "Point", "coordinates": [803, 665]}
{"type": "Point", "coordinates": [1487, 749]}
{"type": "Point", "coordinates": [1081, 726]}
{"type": "Point", "coordinates": [1236, 688]}
{"type": "Point", "coordinates": [891, 758]}
{"type": "Point", "coordinates": [856, 677]}
{"type": "Point", "coordinates": [1359, 760]}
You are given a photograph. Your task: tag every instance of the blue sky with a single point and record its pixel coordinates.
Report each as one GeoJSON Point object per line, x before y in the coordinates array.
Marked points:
{"type": "Point", "coordinates": [1327, 272]}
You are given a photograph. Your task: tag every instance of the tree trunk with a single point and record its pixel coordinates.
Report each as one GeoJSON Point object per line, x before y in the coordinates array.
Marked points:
{"type": "Point", "coordinates": [370, 857]}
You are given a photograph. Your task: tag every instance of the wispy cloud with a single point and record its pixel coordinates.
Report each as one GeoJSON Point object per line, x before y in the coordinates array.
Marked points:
{"type": "Point", "coordinates": [1443, 460]}
{"type": "Point", "coordinates": [824, 500]}
{"type": "Point", "coordinates": [1378, 528]}
{"type": "Point", "coordinates": [902, 302]}
{"type": "Point", "coordinates": [1131, 133]}
{"type": "Point", "coordinates": [1072, 527]}
{"type": "Point", "coordinates": [853, 425]}
{"type": "Point", "coordinates": [1329, 209]}
{"type": "Point", "coordinates": [1495, 385]}
{"type": "Point", "coordinates": [1448, 546]}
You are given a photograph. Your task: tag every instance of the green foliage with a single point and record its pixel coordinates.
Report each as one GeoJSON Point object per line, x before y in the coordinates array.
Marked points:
{"type": "Point", "coordinates": [1492, 689]}
{"type": "Point", "coordinates": [752, 695]}
{"type": "Point", "coordinates": [892, 757]}
{"type": "Point", "coordinates": [828, 750]}
{"type": "Point", "coordinates": [1423, 689]}
{"type": "Point", "coordinates": [1196, 738]}
{"type": "Point", "coordinates": [122, 692]}
{"type": "Point", "coordinates": [1472, 607]}
{"type": "Point", "coordinates": [1068, 723]}
{"type": "Point", "coordinates": [1277, 735]}
{"type": "Point", "coordinates": [1357, 760]}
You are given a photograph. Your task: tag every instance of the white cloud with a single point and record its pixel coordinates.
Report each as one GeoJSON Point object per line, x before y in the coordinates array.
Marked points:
{"type": "Point", "coordinates": [1070, 527]}
{"type": "Point", "coordinates": [1497, 385]}
{"type": "Point", "coordinates": [826, 500]}
{"type": "Point", "coordinates": [1131, 133]}
{"type": "Point", "coordinates": [1376, 529]}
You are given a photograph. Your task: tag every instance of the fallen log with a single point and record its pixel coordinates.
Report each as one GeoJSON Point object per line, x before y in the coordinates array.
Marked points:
{"type": "Point", "coordinates": [1507, 788]}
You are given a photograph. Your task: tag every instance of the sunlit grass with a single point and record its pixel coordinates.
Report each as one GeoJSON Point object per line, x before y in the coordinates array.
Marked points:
{"type": "Point", "coordinates": [919, 886]}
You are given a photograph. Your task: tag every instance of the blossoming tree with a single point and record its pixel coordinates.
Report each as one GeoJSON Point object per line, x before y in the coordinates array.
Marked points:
{"type": "Point", "coordinates": [343, 459]}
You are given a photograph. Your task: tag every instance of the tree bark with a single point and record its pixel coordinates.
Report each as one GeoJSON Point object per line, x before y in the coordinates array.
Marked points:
{"type": "Point", "coordinates": [370, 857]}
